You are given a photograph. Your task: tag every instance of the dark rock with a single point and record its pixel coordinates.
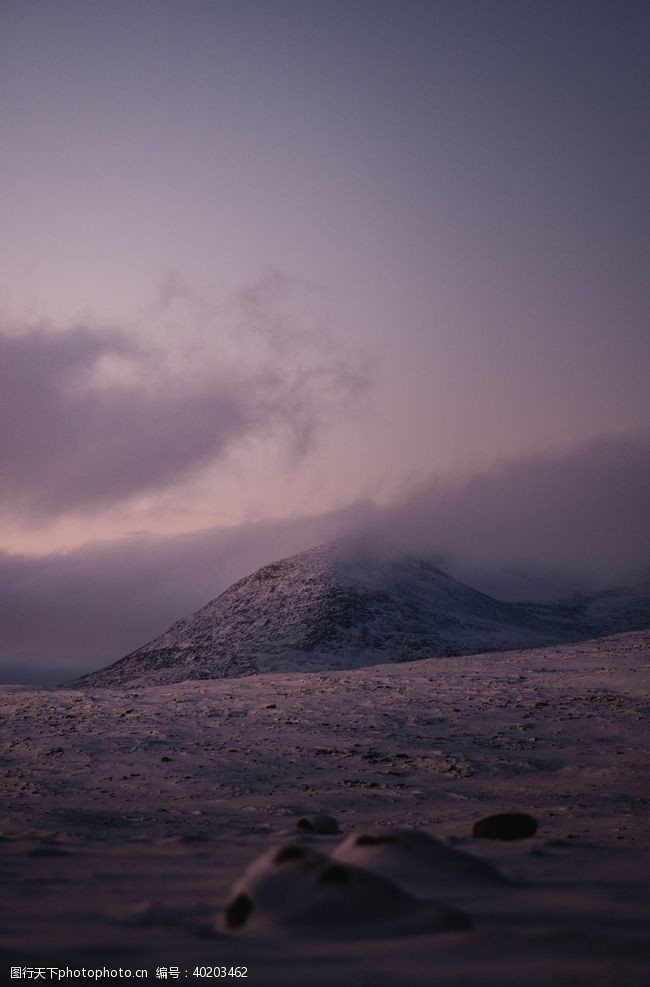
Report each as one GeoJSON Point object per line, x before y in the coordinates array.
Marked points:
{"type": "Point", "coordinates": [365, 840]}
{"type": "Point", "coordinates": [505, 826]}
{"type": "Point", "coordinates": [335, 875]}
{"type": "Point", "coordinates": [320, 823]}
{"type": "Point", "coordinates": [286, 853]}
{"type": "Point", "coordinates": [238, 911]}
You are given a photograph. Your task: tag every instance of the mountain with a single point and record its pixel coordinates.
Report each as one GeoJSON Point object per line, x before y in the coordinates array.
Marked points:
{"type": "Point", "coordinates": [616, 610]}
{"type": "Point", "coordinates": [329, 608]}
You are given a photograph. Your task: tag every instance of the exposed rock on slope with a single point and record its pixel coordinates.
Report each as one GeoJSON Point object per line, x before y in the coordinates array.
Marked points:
{"type": "Point", "coordinates": [325, 609]}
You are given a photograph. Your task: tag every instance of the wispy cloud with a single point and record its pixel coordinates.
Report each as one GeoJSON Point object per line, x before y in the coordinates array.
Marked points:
{"type": "Point", "coordinates": [90, 417]}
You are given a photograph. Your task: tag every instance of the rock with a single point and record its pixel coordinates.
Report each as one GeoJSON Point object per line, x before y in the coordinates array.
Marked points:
{"type": "Point", "coordinates": [320, 823]}
{"type": "Point", "coordinates": [505, 826]}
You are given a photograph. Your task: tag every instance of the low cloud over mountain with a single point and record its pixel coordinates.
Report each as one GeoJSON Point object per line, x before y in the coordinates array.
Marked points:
{"type": "Point", "coordinates": [530, 527]}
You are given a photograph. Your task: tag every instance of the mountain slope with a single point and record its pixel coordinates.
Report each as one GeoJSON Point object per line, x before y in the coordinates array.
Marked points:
{"type": "Point", "coordinates": [325, 609]}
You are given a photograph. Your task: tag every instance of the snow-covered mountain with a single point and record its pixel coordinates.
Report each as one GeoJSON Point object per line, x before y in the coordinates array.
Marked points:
{"type": "Point", "coordinates": [616, 610]}
{"type": "Point", "coordinates": [330, 608]}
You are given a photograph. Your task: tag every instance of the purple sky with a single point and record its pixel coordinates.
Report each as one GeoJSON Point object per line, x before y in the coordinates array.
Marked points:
{"type": "Point", "coordinates": [266, 265]}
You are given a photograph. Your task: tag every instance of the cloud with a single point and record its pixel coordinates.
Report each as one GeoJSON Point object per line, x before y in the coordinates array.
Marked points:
{"type": "Point", "coordinates": [531, 527]}
{"type": "Point", "coordinates": [90, 417]}
{"type": "Point", "coordinates": [534, 525]}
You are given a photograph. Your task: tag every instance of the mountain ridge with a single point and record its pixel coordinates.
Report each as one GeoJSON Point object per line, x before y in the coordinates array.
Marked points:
{"type": "Point", "coordinates": [332, 608]}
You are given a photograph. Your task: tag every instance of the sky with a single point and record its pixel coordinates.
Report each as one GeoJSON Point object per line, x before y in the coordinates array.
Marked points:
{"type": "Point", "coordinates": [271, 271]}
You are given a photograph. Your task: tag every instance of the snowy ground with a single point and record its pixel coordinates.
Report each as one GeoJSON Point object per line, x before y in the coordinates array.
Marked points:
{"type": "Point", "coordinates": [127, 815]}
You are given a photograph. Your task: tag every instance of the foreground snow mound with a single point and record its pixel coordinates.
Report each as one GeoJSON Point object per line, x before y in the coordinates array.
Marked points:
{"type": "Point", "coordinates": [419, 863]}
{"type": "Point", "coordinates": [295, 888]}
{"type": "Point", "coordinates": [331, 608]}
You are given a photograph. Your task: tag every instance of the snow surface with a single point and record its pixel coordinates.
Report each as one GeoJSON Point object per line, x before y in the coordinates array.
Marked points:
{"type": "Point", "coordinates": [131, 816]}
{"type": "Point", "coordinates": [332, 607]}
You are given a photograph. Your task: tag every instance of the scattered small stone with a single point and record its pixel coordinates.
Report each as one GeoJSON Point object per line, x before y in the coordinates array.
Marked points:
{"type": "Point", "coordinates": [505, 826]}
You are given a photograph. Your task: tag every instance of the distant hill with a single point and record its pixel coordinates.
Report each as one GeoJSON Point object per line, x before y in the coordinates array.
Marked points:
{"type": "Point", "coordinates": [332, 608]}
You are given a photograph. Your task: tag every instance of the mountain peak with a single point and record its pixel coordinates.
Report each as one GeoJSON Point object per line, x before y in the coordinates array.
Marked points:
{"type": "Point", "coordinates": [334, 606]}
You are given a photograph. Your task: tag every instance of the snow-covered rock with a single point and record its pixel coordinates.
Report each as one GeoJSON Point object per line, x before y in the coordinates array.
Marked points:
{"type": "Point", "coordinates": [419, 863]}
{"type": "Point", "coordinates": [297, 888]}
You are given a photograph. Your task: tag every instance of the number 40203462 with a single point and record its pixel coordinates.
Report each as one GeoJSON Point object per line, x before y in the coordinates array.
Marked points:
{"type": "Point", "coordinates": [220, 971]}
